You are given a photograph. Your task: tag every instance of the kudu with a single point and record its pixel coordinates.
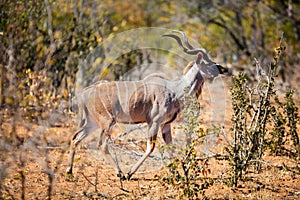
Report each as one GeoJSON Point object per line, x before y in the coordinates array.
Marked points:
{"type": "Point", "coordinates": [154, 100]}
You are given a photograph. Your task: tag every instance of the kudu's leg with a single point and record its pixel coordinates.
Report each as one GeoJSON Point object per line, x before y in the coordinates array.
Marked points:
{"type": "Point", "coordinates": [152, 135]}
{"type": "Point", "coordinates": [167, 136]}
{"type": "Point", "coordinates": [88, 126]}
{"type": "Point", "coordinates": [149, 150]}
{"type": "Point", "coordinates": [104, 137]}
{"type": "Point", "coordinates": [166, 133]}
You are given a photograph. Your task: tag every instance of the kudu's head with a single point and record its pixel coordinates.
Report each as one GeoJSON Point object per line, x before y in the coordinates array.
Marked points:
{"type": "Point", "coordinates": [207, 67]}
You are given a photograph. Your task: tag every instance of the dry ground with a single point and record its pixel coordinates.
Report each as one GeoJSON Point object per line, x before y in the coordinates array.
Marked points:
{"type": "Point", "coordinates": [27, 171]}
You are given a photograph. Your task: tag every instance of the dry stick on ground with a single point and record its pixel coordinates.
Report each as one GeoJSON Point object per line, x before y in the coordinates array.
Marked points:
{"type": "Point", "coordinates": [90, 182]}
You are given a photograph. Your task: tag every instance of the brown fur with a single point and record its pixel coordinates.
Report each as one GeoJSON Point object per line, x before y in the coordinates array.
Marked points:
{"type": "Point", "coordinates": [154, 100]}
{"type": "Point", "coordinates": [188, 67]}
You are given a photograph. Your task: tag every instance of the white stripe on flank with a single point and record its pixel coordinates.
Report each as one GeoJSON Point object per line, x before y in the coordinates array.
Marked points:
{"type": "Point", "coordinates": [145, 95]}
{"type": "Point", "coordinates": [119, 95]}
{"type": "Point", "coordinates": [126, 100]}
{"type": "Point", "coordinates": [103, 102]}
{"type": "Point", "coordinates": [135, 92]}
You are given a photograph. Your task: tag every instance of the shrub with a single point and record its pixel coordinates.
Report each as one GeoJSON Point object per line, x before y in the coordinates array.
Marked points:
{"type": "Point", "coordinates": [187, 173]}
{"type": "Point", "coordinates": [260, 121]}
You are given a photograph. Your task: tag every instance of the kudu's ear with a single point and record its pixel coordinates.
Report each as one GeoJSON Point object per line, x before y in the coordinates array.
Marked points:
{"type": "Point", "coordinates": [199, 58]}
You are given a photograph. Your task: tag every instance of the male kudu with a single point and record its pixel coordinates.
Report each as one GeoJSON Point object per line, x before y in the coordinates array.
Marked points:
{"type": "Point", "coordinates": [154, 100]}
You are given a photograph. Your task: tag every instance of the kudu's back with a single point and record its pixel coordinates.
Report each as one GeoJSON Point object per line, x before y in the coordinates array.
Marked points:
{"type": "Point", "coordinates": [125, 101]}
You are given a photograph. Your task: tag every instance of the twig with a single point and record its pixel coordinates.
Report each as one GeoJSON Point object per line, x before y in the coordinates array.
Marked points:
{"type": "Point", "coordinates": [123, 189]}
{"type": "Point", "coordinates": [95, 195]}
{"type": "Point", "coordinates": [290, 169]}
{"type": "Point", "coordinates": [119, 195]}
{"type": "Point", "coordinates": [129, 131]}
{"type": "Point", "coordinates": [134, 152]}
{"type": "Point", "coordinates": [213, 156]}
{"type": "Point", "coordinates": [261, 161]}
{"type": "Point", "coordinates": [90, 182]}
{"type": "Point", "coordinates": [225, 135]}
{"type": "Point", "coordinates": [41, 147]}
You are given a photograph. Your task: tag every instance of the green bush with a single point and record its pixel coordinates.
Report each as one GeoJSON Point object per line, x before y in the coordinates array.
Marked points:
{"type": "Point", "coordinates": [260, 121]}
{"type": "Point", "coordinates": [187, 172]}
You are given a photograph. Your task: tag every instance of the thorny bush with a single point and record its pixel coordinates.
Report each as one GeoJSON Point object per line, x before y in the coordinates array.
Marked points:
{"type": "Point", "coordinates": [260, 121]}
{"type": "Point", "coordinates": [187, 172]}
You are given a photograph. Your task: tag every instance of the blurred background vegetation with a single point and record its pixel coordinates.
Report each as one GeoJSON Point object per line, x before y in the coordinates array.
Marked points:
{"type": "Point", "coordinates": [43, 42]}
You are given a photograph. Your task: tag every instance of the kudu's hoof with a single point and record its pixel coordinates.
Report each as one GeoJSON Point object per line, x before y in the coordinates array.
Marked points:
{"type": "Point", "coordinates": [124, 177]}
{"type": "Point", "coordinates": [127, 176]}
{"type": "Point", "coordinates": [69, 171]}
{"type": "Point", "coordinates": [69, 175]}
{"type": "Point", "coordinates": [121, 176]}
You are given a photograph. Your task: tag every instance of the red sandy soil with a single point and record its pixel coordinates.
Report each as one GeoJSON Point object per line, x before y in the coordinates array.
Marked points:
{"type": "Point", "coordinates": [26, 172]}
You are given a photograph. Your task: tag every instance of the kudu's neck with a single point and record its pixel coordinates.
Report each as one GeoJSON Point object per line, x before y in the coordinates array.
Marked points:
{"type": "Point", "coordinates": [190, 82]}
